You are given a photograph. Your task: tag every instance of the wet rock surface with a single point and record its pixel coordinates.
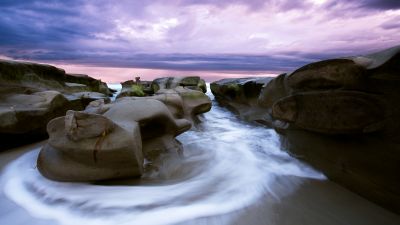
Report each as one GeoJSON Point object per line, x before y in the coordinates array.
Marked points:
{"type": "Point", "coordinates": [339, 115]}
{"type": "Point", "coordinates": [32, 94]}
{"type": "Point", "coordinates": [241, 96]}
{"type": "Point", "coordinates": [111, 141]}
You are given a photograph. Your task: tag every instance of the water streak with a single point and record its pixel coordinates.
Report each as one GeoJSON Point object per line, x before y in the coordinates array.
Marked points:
{"type": "Point", "coordinates": [227, 166]}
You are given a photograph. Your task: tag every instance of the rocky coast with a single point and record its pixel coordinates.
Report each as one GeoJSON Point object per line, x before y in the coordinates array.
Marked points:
{"type": "Point", "coordinates": [32, 94]}
{"type": "Point", "coordinates": [339, 115]}
{"type": "Point", "coordinates": [319, 145]}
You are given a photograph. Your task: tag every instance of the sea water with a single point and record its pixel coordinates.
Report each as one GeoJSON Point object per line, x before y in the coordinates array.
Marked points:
{"type": "Point", "coordinates": [227, 165]}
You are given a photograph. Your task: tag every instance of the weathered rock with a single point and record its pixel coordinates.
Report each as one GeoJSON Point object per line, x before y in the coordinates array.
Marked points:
{"type": "Point", "coordinates": [132, 88]}
{"type": "Point", "coordinates": [19, 109]}
{"type": "Point", "coordinates": [202, 85]}
{"type": "Point", "coordinates": [181, 102]}
{"type": "Point", "coordinates": [195, 102]}
{"type": "Point", "coordinates": [104, 155]}
{"type": "Point", "coordinates": [46, 77]}
{"type": "Point", "coordinates": [274, 90]}
{"type": "Point", "coordinates": [92, 84]}
{"type": "Point", "coordinates": [79, 100]}
{"type": "Point", "coordinates": [136, 89]}
{"type": "Point", "coordinates": [155, 121]}
{"type": "Point", "coordinates": [333, 112]}
{"type": "Point", "coordinates": [193, 82]}
{"type": "Point", "coordinates": [91, 147]}
{"type": "Point", "coordinates": [81, 125]}
{"type": "Point", "coordinates": [147, 89]}
{"type": "Point", "coordinates": [38, 76]}
{"type": "Point", "coordinates": [109, 141]}
{"type": "Point", "coordinates": [241, 96]}
{"type": "Point", "coordinates": [361, 115]}
{"type": "Point", "coordinates": [342, 116]}
{"type": "Point", "coordinates": [97, 107]}
{"type": "Point", "coordinates": [32, 94]}
{"type": "Point", "coordinates": [328, 74]}
{"type": "Point", "coordinates": [23, 117]}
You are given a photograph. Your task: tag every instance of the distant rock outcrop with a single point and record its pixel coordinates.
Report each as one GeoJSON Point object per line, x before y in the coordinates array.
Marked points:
{"type": "Point", "coordinates": [193, 82]}
{"type": "Point", "coordinates": [146, 88]}
{"type": "Point", "coordinates": [241, 96]}
{"type": "Point", "coordinates": [341, 115]}
{"type": "Point", "coordinates": [32, 94]}
{"type": "Point", "coordinates": [109, 141]}
{"type": "Point", "coordinates": [132, 88]}
{"type": "Point", "coordinates": [90, 83]}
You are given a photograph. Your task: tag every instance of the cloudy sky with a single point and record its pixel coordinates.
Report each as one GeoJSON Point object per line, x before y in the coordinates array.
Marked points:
{"type": "Point", "coordinates": [113, 40]}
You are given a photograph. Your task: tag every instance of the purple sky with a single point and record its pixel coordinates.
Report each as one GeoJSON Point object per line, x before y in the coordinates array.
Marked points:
{"type": "Point", "coordinates": [113, 40]}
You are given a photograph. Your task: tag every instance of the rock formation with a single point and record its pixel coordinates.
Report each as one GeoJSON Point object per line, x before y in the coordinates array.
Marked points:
{"type": "Point", "coordinates": [32, 94]}
{"type": "Point", "coordinates": [136, 89]}
{"type": "Point", "coordinates": [241, 96]}
{"type": "Point", "coordinates": [146, 88]}
{"type": "Point", "coordinates": [110, 141]}
{"type": "Point", "coordinates": [339, 115]}
{"type": "Point", "coordinates": [194, 83]}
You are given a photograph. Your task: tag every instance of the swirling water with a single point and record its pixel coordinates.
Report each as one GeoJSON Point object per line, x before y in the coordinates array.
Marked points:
{"type": "Point", "coordinates": [227, 165]}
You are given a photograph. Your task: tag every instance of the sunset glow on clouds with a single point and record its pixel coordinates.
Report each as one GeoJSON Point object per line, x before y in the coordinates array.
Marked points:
{"type": "Point", "coordinates": [111, 39]}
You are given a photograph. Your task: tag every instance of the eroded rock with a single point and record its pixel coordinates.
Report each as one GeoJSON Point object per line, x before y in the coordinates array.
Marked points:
{"type": "Point", "coordinates": [241, 96]}
{"type": "Point", "coordinates": [334, 112]}
{"type": "Point", "coordinates": [110, 141]}
{"type": "Point", "coordinates": [341, 116]}
{"type": "Point", "coordinates": [106, 154]}
{"type": "Point", "coordinates": [192, 82]}
{"type": "Point", "coordinates": [32, 94]}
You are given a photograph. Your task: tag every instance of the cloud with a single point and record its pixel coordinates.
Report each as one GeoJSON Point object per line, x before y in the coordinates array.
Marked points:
{"type": "Point", "coordinates": [183, 62]}
{"type": "Point", "coordinates": [381, 4]}
{"type": "Point", "coordinates": [393, 24]}
{"type": "Point", "coordinates": [273, 35]}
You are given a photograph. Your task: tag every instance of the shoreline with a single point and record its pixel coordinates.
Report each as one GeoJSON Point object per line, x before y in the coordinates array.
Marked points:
{"type": "Point", "coordinates": [310, 202]}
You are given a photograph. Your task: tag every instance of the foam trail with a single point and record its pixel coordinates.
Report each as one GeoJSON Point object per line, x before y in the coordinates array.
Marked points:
{"type": "Point", "coordinates": [227, 166]}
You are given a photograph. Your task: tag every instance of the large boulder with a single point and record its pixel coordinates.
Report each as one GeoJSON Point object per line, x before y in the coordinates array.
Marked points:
{"type": "Point", "coordinates": [90, 147]}
{"type": "Point", "coordinates": [110, 141]}
{"type": "Point", "coordinates": [342, 116]}
{"type": "Point", "coordinates": [32, 94]}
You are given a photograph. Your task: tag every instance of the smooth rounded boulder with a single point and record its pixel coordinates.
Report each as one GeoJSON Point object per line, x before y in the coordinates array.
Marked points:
{"type": "Point", "coordinates": [109, 152]}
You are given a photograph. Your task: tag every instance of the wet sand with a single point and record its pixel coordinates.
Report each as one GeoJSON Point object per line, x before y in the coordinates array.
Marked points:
{"type": "Point", "coordinates": [310, 202]}
{"type": "Point", "coordinates": [313, 202]}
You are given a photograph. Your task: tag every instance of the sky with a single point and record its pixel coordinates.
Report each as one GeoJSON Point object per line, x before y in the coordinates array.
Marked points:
{"type": "Point", "coordinates": [118, 40]}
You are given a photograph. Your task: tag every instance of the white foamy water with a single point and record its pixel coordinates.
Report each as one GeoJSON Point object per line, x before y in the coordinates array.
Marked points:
{"type": "Point", "coordinates": [117, 87]}
{"type": "Point", "coordinates": [227, 165]}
